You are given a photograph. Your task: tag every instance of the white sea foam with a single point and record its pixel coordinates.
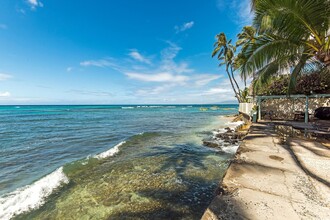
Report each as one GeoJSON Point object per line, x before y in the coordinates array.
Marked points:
{"type": "Point", "coordinates": [129, 107]}
{"type": "Point", "coordinates": [231, 149]}
{"type": "Point", "coordinates": [234, 125]}
{"type": "Point", "coordinates": [221, 143]}
{"type": "Point", "coordinates": [110, 152]}
{"type": "Point", "coordinates": [31, 196]}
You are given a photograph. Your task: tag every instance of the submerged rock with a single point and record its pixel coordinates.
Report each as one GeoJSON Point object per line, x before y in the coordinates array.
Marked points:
{"type": "Point", "coordinates": [210, 143]}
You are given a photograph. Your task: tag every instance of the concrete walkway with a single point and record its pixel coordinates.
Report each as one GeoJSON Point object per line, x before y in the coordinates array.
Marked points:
{"type": "Point", "coordinates": [269, 179]}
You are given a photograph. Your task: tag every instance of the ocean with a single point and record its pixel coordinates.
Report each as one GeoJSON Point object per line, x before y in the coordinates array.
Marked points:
{"type": "Point", "coordinates": [109, 162]}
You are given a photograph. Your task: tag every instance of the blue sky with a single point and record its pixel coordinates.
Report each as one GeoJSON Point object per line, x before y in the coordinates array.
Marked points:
{"type": "Point", "coordinates": [115, 52]}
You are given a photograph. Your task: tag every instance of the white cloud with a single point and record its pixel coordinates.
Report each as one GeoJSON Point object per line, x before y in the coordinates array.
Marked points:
{"type": "Point", "coordinates": [139, 57]}
{"type": "Point", "coordinates": [154, 91]}
{"type": "Point", "coordinates": [90, 93]}
{"type": "Point", "coordinates": [35, 3]}
{"type": "Point", "coordinates": [168, 78]}
{"type": "Point", "coordinates": [3, 26]}
{"type": "Point", "coordinates": [204, 79]}
{"type": "Point", "coordinates": [184, 27]}
{"type": "Point", "coordinates": [179, 68]}
{"type": "Point", "coordinates": [239, 10]}
{"type": "Point", "coordinates": [244, 11]}
{"type": "Point", "coordinates": [4, 77]}
{"type": "Point", "coordinates": [97, 63]}
{"type": "Point", "coordinates": [167, 72]}
{"type": "Point", "coordinates": [69, 69]}
{"type": "Point", "coordinates": [167, 60]}
{"type": "Point", "coordinates": [158, 77]}
{"type": "Point", "coordinates": [170, 52]}
{"type": "Point", "coordinates": [169, 75]}
{"type": "Point", "coordinates": [217, 91]}
{"type": "Point", "coordinates": [4, 94]}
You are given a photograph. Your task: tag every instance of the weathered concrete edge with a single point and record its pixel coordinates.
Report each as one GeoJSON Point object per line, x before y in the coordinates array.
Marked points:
{"type": "Point", "coordinates": [218, 204]}
{"type": "Point", "coordinates": [222, 196]}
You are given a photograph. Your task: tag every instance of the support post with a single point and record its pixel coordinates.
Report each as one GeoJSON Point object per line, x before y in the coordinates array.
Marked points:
{"type": "Point", "coordinates": [306, 110]}
{"type": "Point", "coordinates": [259, 109]}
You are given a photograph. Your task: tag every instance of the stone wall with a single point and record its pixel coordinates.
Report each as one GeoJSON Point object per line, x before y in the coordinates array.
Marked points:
{"type": "Point", "coordinates": [284, 108]}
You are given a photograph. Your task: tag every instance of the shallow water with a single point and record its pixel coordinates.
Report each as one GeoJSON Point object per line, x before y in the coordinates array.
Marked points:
{"type": "Point", "coordinates": [159, 171]}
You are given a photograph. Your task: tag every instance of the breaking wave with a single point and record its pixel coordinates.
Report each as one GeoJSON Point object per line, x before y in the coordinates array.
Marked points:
{"type": "Point", "coordinates": [31, 196]}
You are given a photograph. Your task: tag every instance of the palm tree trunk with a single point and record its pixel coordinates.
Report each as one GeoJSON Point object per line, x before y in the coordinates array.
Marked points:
{"type": "Point", "coordinates": [232, 84]}
{"type": "Point", "coordinates": [238, 89]}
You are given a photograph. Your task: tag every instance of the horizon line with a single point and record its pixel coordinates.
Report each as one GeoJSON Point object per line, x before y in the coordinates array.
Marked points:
{"type": "Point", "coordinates": [112, 104]}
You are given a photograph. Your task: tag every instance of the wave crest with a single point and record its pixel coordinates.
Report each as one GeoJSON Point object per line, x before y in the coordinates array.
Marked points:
{"type": "Point", "coordinates": [110, 152]}
{"type": "Point", "coordinates": [31, 196]}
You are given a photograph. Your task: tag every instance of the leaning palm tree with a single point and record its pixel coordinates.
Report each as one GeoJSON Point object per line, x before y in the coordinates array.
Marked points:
{"type": "Point", "coordinates": [293, 34]}
{"type": "Point", "coordinates": [225, 51]}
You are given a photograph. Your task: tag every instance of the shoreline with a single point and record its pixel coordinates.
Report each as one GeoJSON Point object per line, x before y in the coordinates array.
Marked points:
{"type": "Point", "coordinates": [228, 138]}
{"type": "Point", "coordinates": [269, 179]}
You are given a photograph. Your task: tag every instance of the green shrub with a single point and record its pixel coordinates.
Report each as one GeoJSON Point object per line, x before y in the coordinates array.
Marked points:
{"type": "Point", "coordinates": [311, 83]}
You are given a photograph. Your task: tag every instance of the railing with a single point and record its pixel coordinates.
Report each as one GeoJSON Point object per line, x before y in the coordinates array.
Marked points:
{"type": "Point", "coordinates": [288, 107]}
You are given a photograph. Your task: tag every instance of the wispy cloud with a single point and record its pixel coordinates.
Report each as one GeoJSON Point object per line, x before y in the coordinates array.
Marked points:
{"type": "Point", "coordinates": [158, 77]}
{"type": "Point", "coordinates": [167, 60]}
{"type": "Point", "coordinates": [90, 93]}
{"type": "Point", "coordinates": [138, 56]}
{"type": "Point", "coordinates": [170, 74]}
{"type": "Point", "coordinates": [4, 94]}
{"type": "Point", "coordinates": [34, 4]}
{"type": "Point", "coordinates": [244, 11]}
{"type": "Point", "coordinates": [184, 26]}
{"type": "Point", "coordinates": [3, 26]}
{"type": "Point", "coordinates": [4, 77]}
{"type": "Point", "coordinates": [21, 10]}
{"type": "Point", "coordinates": [97, 63]}
{"type": "Point", "coordinates": [167, 77]}
{"type": "Point", "coordinates": [204, 79]}
{"type": "Point", "coordinates": [170, 52]}
{"type": "Point", "coordinates": [239, 10]}
{"type": "Point", "coordinates": [217, 91]}
{"type": "Point", "coordinates": [154, 91]}
{"type": "Point", "coordinates": [69, 69]}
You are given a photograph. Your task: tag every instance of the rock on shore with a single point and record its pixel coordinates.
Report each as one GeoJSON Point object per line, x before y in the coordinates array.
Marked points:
{"type": "Point", "coordinates": [227, 139]}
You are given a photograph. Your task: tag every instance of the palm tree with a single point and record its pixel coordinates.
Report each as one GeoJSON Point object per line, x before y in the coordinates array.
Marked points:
{"type": "Point", "coordinates": [292, 34]}
{"type": "Point", "coordinates": [225, 51]}
{"type": "Point", "coordinates": [246, 40]}
{"type": "Point", "coordinates": [246, 37]}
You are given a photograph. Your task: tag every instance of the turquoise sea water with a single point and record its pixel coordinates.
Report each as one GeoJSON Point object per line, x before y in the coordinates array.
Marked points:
{"type": "Point", "coordinates": [108, 162]}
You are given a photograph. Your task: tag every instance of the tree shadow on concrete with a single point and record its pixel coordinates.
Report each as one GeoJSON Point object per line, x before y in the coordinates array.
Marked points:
{"type": "Point", "coordinates": [288, 147]}
{"type": "Point", "coordinates": [291, 136]}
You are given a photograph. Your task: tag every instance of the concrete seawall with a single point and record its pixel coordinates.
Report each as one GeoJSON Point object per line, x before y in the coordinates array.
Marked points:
{"type": "Point", "coordinates": [269, 179]}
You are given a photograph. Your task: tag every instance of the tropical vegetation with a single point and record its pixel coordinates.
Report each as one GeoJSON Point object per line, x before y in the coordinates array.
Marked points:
{"type": "Point", "coordinates": [286, 37]}
{"type": "Point", "coordinates": [306, 84]}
